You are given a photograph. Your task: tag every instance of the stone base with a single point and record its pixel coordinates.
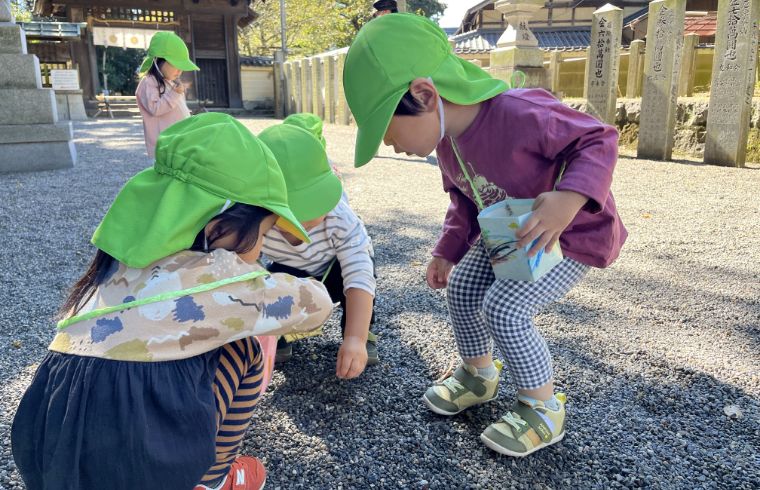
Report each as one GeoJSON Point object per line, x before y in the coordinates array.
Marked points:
{"type": "Point", "coordinates": [12, 39]}
{"type": "Point", "coordinates": [36, 133]}
{"type": "Point", "coordinates": [20, 71]}
{"type": "Point", "coordinates": [27, 106]}
{"type": "Point", "coordinates": [33, 157]}
{"type": "Point", "coordinates": [512, 57]}
{"type": "Point", "coordinates": [534, 77]}
{"type": "Point", "coordinates": [70, 105]}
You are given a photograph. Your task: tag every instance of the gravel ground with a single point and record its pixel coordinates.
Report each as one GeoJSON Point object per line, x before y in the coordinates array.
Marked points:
{"type": "Point", "coordinates": [650, 351]}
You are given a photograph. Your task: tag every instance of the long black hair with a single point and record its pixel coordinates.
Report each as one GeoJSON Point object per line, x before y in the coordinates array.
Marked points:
{"type": "Point", "coordinates": [155, 70]}
{"type": "Point", "coordinates": [241, 220]}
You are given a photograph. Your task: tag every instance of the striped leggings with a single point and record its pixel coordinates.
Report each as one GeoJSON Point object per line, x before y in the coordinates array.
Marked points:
{"type": "Point", "coordinates": [483, 309]}
{"type": "Point", "coordinates": [237, 387]}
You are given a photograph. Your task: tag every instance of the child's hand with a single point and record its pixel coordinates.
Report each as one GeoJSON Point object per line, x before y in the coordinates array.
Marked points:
{"type": "Point", "coordinates": [438, 272]}
{"type": "Point", "coordinates": [552, 212]}
{"type": "Point", "coordinates": [179, 87]}
{"type": "Point", "coordinates": [352, 358]}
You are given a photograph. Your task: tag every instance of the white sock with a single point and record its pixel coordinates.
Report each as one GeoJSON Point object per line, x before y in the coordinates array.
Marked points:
{"type": "Point", "coordinates": [487, 372]}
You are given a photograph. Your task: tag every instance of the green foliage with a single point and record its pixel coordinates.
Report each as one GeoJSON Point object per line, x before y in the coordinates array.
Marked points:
{"type": "Point", "coordinates": [314, 26]}
{"type": "Point", "coordinates": [121, 68]}
{"type": "Point", "coordinates": [22, 10]}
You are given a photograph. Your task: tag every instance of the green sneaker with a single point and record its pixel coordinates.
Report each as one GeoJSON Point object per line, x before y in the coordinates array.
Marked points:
{"type": "Point", "coordinates": [530, 426]}
{"type": "Point", "coordinates": [462, 390]}
{"type": "Point", "coordinates": [372, 357]}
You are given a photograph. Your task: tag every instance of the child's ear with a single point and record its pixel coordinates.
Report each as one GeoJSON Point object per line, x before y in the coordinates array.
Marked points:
{"type": "Point", "coordinates": [423, 90]}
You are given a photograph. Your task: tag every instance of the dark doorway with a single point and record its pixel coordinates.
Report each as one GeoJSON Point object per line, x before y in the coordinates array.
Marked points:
{"type": "Point", "coordinates": [212, 82]}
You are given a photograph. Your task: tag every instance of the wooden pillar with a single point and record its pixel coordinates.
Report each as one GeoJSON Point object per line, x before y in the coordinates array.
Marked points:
{"type": "Point", "coordinates": [234, 83]}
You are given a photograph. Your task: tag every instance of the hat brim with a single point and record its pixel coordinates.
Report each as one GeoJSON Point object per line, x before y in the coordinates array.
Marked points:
{"type": "Point", "coordinates": [317, 199]}
{"type": "Point", "coordinates": [371, 132]}
{"type": "Point", "coordinates": [287, 221]}
{"type": "Point", "coordinates": [183, 64]}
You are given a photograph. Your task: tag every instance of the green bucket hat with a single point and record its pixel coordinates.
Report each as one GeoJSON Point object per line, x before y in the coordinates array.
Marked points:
{"type": "Point", "coordinates": [386, 56]}
{"type": "Point", "coordinates": [170, 47]}
{"type": "Point", "coordinates": [308, 121]}
{"type": "Point", "coordinates": [204, 164]}
{"type": "Point", "coordinates": [313, 188]}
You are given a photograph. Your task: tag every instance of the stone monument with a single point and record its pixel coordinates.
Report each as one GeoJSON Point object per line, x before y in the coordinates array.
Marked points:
{"type": "Point", "coordinates": [31, 138]}
{"type": "Point", "coordinates": [662, 64]}
{"type": "Point", "coordinates": [733, 82]}
{"type": "Point", "coordinates": [603, 63]}
{"type": "Point", "coordinates": [517, 49]}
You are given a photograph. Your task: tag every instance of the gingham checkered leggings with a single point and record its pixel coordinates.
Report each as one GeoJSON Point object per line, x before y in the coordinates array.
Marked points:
{"type": "Point", "coordinates": [483, 309]}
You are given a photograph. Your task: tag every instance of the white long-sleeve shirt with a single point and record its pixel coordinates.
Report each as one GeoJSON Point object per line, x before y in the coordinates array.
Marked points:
{"type": "Point", "coordinates": [343, 235]}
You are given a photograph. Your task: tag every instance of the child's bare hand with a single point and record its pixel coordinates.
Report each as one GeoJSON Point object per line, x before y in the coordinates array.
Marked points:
{"type": "Point", "coordinates": [352, 358]}
{"type": "Point", "coordinates": [438, 272]}
{"type": "Point", "coordinates": [552, 212]}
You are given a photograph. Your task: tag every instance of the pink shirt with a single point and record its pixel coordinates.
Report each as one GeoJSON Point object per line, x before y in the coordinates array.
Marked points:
{"type": "Point", "coordinates": [515, 148]}
{"type": "Point", "coordinates": [159, 111]}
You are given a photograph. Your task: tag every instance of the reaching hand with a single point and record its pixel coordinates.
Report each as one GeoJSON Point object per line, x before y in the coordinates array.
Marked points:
{"type": "Point", "coordinates": [438, 272]}
{"type": "Point", "coordinates": [552, 212]}
{"type": "Point", "coordinates": [352, 358]}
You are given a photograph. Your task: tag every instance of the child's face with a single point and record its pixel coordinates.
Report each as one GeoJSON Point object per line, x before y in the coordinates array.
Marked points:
{"type": "Point", "coordinates": [170, 72]}
{"type": "Point", "coordinates": [418, 134]}
{"type": "Point", "coordinates": [414, 135]}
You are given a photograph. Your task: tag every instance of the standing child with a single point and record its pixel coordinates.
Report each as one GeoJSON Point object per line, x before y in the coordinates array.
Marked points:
{"type": "Point", "coordinates": [160, 94]}
{"type": "Point", "coordinates": [340, 254]}
{"type": "Point", "coordinates": [152, 377]}
{"type": "Point", "coordinates": [406, 87]}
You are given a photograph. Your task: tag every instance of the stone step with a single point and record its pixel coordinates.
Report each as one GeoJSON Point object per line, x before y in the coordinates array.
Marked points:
{"type": "Point", "coordinates": [12, 39]}
{"type": "Point", "coordinates": [20, 71]}
{"type": "Point", "coordinates": [33, 133]}
{"type": "Point", "coordinates": [27, 106]}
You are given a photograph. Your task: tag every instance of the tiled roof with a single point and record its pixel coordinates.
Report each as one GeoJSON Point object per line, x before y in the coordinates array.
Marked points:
{"type": "Point", "coordinates": [635, 16]}
{"type": "Point", "coordinates": [705, 25]}
{"type": "Point", "coordinates": [483, 41]}
{"type": "Point", "coordinates": [256, 61]}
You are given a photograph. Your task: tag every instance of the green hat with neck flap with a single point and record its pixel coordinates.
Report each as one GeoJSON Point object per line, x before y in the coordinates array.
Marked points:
{"type": "Point", "coordinates": [387, 55]}
{"type": "Point", "coordinates": [204, 164]}
{"type": "Point", "coordinates": [170, 47]}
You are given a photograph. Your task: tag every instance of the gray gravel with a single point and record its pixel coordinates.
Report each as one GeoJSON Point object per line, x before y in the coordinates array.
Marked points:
{"type": "Point", "coordinates": [650, 351]}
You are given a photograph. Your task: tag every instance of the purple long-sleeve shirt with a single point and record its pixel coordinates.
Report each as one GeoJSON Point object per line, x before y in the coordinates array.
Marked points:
{"type": "Point", "coordinates": [515, 148]}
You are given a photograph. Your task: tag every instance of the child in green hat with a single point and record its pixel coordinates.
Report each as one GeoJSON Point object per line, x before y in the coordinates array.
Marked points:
{"type": "Point", "coordinates": [341, 253]}
{"type": "Point", "coordinates": [406, 88]}
{"type": "Point", "coordinates": [160, 94]}
{"type": "Point", "coordinates": [153, 374]}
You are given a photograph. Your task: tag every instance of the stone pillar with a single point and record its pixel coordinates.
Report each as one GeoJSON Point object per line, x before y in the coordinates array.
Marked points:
{"type": "Point", "coordinates": [401, 4]}
{"type": "Point", "coordinates": [733, 82]}
{"type": "Point", "coordinates": [662, 66]}
{"type": "Point", "coordinates": [517, 49]}
{"type": "Point", "coordinates": [635, 68]}
{"type": "Point", "coordinates": [342, 112]}
{"type": "Point", "coordinates": [555, 61]}
{"type": "Point", "coordinates": [317, 87]}
{"type": "Point", "coordinates": [330, 89]}
{"type": "Point", "coordinates": [31, 138]}
{"type": "Point", "coordinates": [298, 85]}
{"type": "Point", "coordinates": [688, 65]}
{"type": "Point", "coordinates": [280, 94]}
{"type": "Point", "coordinates": [289, 86]}
{"type": "Point", "coordinates": [603, 63]}
{"type": "Point", "coordinates": [306, 85]}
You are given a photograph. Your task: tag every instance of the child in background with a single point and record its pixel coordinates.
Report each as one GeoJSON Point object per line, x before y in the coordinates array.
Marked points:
{"type": "Point", "coordinates": [406, 87]}
{"type": "Point", "coordinates": [160, 94]}
{"type": "Point", "coordinates": [153, 375]}
{"type": "Point", "coordinates": [341, 253]}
